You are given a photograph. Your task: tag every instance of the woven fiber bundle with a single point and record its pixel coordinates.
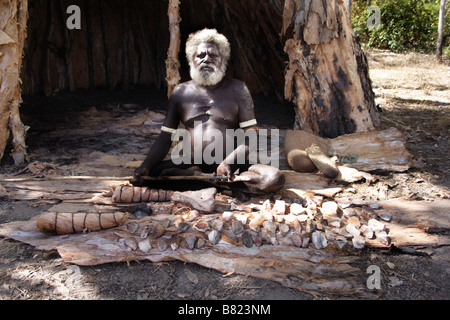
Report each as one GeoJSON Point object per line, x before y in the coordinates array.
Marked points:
{"type": "Point", "coordinates": [67, 223]}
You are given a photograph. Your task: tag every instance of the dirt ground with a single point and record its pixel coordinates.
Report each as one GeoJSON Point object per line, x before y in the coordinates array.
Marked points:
{"type": "Point", "coordinates": [413, 94]}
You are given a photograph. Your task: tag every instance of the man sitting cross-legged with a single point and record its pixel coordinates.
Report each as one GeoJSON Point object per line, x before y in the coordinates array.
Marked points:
{"type": "Point", "coordinates": [209, 104]}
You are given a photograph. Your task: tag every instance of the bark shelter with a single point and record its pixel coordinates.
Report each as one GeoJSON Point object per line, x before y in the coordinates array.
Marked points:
{"type": "Point", "coordinates": [304, 51]}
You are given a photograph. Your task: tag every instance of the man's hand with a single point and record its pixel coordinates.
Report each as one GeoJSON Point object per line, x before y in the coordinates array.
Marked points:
{"type": "Point", "coordinates": [141, 171]}
{"type": "Point", "coordinates": [224, 170]}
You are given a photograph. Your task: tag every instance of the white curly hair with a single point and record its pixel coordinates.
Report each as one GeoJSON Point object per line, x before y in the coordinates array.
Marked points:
{"type": "Point", "coordinates": [207, 36]}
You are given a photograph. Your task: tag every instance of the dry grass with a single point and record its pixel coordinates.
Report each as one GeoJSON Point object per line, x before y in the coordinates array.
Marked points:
{"type": "Point", "coordinates": [413, 93]}
{"type": "Point", "coordinates": [412, 88]}
{"type": "Point", "coordinates": [410, 76]}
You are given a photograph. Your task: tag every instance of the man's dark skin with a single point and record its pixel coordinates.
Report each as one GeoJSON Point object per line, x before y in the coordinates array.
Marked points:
{"type": "Point", "coordinates": [221, 106]}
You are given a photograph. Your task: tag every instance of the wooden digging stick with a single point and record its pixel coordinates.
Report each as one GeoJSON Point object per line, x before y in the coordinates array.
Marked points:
{"type": "Point", "coordinates": [210, 178]}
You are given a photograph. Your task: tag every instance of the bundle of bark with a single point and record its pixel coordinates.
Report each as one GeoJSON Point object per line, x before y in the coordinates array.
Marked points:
{"type": "Point", "coordinates": [70, 222]}
{"type": "Point", "coordinates": [202, 200]}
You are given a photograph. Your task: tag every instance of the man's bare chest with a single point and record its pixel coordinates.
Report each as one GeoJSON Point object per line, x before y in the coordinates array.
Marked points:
{"type": "Point", "coordinates": [221, 108]}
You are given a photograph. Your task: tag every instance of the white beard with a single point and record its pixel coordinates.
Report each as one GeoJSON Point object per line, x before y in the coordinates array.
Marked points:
{"type": "Point", "coordinates": [208, 78]}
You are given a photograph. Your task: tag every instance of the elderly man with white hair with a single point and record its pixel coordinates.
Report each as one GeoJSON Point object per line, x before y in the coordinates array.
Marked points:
{"type": "Point", "coordinates": [210, 105]}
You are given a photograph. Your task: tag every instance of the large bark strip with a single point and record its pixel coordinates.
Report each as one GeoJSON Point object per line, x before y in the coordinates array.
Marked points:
{"type": "Point", "coordinates": [172, 63]}
{"type": "Point", "coordinates": [366, 151]}
{"type": "Point", "coordinates": [327, 76]}
{"type": "Point", "coordinates": [306, 269]}
{"type": "Point", "coordinates": [309, 270]}
{"type": "Point", "coordinates": [13, 23]}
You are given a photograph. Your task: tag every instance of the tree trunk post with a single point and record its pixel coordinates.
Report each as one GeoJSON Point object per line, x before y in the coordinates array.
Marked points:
{"type": "Point", "coordinates": [172, 63]}
{"type": "Point", "coordinates": [440, 40]}
{"type": "Point", "coordinates": [349, 8]}
{"type": "Point", "coordinates": [327, 75]}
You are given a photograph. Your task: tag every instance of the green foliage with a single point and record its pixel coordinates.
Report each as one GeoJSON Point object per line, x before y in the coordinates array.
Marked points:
{"type": "Point", "coordinates": [405, 24]}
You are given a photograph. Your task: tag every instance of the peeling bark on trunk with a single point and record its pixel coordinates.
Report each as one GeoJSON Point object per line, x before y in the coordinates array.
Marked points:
{"type": "Point", "coordinates": [327, 76]}
{"type": "Point", "coordinates": [13, 23]}
{"type": "Point", "coordinates": [172, 63]}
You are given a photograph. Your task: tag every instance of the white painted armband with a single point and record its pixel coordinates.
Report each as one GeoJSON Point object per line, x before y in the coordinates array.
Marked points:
{"type": "Point", "coordinates": [168, 130]}
{"type": "Point", "coordinates": [248, 123]}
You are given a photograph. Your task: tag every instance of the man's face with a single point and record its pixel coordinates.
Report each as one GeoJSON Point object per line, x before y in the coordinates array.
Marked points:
{"type": "Point", "coordinates": [208, 67]}
{"type": "Point", "coordinates": [207, 58]}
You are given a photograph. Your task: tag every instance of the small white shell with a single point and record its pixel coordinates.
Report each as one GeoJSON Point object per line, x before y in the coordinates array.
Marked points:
{"type": "Point", "coordinates": [145, 245]}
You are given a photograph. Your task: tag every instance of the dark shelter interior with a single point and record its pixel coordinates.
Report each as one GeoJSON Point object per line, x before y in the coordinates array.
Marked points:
{"type": "Point", "coordinates": [119, 54]}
